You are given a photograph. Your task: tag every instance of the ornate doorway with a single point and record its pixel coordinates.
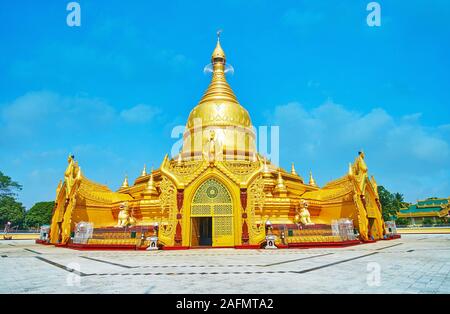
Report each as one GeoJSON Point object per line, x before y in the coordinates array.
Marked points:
{"type": "Point", "coordinates": [212, 205]}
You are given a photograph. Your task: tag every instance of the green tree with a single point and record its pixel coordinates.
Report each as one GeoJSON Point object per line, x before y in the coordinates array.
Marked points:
{"type": "Point", "coordinates": [11, 210]}
{"type": "Point", "coordinates": [40, 214]}
{"type": "Point", "coordinates": [390, 203]}
{"type": "Point", "coordinates": [398, 201]}
{"type": "Point", "coordinates": [8, 187]}
{"type": "Point", "coordinates": [386, 200]}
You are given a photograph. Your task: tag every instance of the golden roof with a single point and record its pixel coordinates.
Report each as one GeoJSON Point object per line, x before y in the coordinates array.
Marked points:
{"type": "Point", "coordinates": [219, 105]}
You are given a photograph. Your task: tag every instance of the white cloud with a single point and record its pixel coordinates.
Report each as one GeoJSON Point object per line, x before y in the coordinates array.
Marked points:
{"type": "Point", "coordinates": [403, 154]}
{"type": "Point", "coordinates": [46, 112]}
{"type": "Point", "coordinates": [30, 106]}
{"type": "Point", "coordinates": [173, 59]}
{"type": "Point", "coordinates": [139, 114]}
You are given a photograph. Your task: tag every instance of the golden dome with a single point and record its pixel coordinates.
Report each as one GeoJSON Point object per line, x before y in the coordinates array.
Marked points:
{"type": "Point", "coordinates": [219, 110]}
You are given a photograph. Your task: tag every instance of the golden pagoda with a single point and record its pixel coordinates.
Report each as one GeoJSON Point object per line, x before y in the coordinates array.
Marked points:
{"type": "Point", "coordinates": [218, 191]}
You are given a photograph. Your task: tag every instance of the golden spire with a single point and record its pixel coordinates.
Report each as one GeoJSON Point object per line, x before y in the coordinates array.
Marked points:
{"type": "Point", "coordinates": [144, 171]}
{"type": "Point", "coordinates": [293, 169]}
{"type": "Point", "coordinates": [125, 182]}
{"type": "Point", "coordinates": [350, 169]}
{"type": "Point", "coordinates": [218, 52]}
{"type": "Point", "coordinates": [361, 153]}
{"type": "Point", "coordinates": [219, 89]}
{"type": "Point", "coordinates": [280, 188]}
{"type": "Point", "coordinates": [311, 179]}
{"type": "Point", "coordinates": [179, 159]}
{"type": "Point", "coordinates": [219, 109]}
{"type": "Point", "coordinates": [266, 171]}
{"type": "Point", "coordinates": [150, 189]}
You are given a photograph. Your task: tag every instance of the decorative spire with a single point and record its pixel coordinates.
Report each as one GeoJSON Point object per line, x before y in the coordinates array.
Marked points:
{"type": "Point", "coordinates": [219, 89]}
{"type": "Point", "coordinates": [280, 188]}
{"type": "Point", "coordinates": [350, 169]}
{"type": "Point", "coordinates": [280, 180]}
{"type": "Point", "coordinates": [144, 171]}
{"type": "Point", "coordinates": [79, 173]}
{"type": "Point", "coordinates": [150, 189]}
{"type": "Point", "coordinates": [293, 169]}
{"type": "Point", "coordinates": [218, 55]}
{"type": "Point", "coordinates": [125, 182]}
{"type": "Point", "coordinates": [311, 179]}
{"type": "Point", "coordinates": [266, 171]}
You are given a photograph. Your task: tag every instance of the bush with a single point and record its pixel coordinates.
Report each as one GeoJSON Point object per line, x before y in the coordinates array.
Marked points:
{"type": "Point", "coordinates": [442, 221]}
{"type": "Point", "coordinates": [402, 222]}
{"type": "Point", "coordinates": [427, 221]}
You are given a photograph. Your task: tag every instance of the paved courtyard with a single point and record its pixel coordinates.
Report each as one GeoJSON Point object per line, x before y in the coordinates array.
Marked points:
{"type": "Point", "coordinates": [413, 264]}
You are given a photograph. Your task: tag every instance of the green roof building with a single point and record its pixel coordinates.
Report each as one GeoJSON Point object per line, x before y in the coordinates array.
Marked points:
{"type": "Point", "coordinates": [437, 209]}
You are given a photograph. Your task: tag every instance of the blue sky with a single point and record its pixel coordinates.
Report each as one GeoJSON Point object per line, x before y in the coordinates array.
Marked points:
{"type": "Point", "coordinates": [111, 90]}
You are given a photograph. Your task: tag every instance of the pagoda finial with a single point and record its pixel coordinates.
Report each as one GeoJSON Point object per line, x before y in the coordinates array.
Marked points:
{"type": "Point", "coordinates": [266, 171]}
{"type": "Point", "coordinates": [218, 56]}
{"type": "Point", "coordinates": [218, 89]}
{"type": "Point", "coordinates": [311, 179]}
{"type": "Point", "coordinates": [150, 189]}
{"type": "Point", "coordinates": [280, 188]}
{"type": "Point", "coordinates": [361, 153]}
{"type": "Point", "coordinates": [280, 180]}
{"type": "Point", "coordinates": [125, 182]}
{"type": "Point", "coordinates": [293, 169]}
{"type": "Point", "coordinates": [144, 171]}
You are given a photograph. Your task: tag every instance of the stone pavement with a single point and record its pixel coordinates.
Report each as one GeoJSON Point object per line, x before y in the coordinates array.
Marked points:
{"type": "Point", "coordinates": [413, 264]}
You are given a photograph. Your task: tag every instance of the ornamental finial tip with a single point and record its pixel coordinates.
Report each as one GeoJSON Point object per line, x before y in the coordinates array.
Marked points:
{"type": "Point", "coordinates": [218, 34]}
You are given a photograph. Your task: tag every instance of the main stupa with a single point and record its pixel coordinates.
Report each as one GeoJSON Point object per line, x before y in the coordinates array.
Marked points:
{"type": "Point", "coordinates": [218, 191]}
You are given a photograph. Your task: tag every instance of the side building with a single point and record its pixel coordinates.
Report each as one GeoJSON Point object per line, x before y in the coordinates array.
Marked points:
{"type": "Point", "coordinates": [431, 210]}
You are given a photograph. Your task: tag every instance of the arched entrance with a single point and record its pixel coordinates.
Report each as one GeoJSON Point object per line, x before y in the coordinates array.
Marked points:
{"type": "Point", "coordinates": [212, 215]}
